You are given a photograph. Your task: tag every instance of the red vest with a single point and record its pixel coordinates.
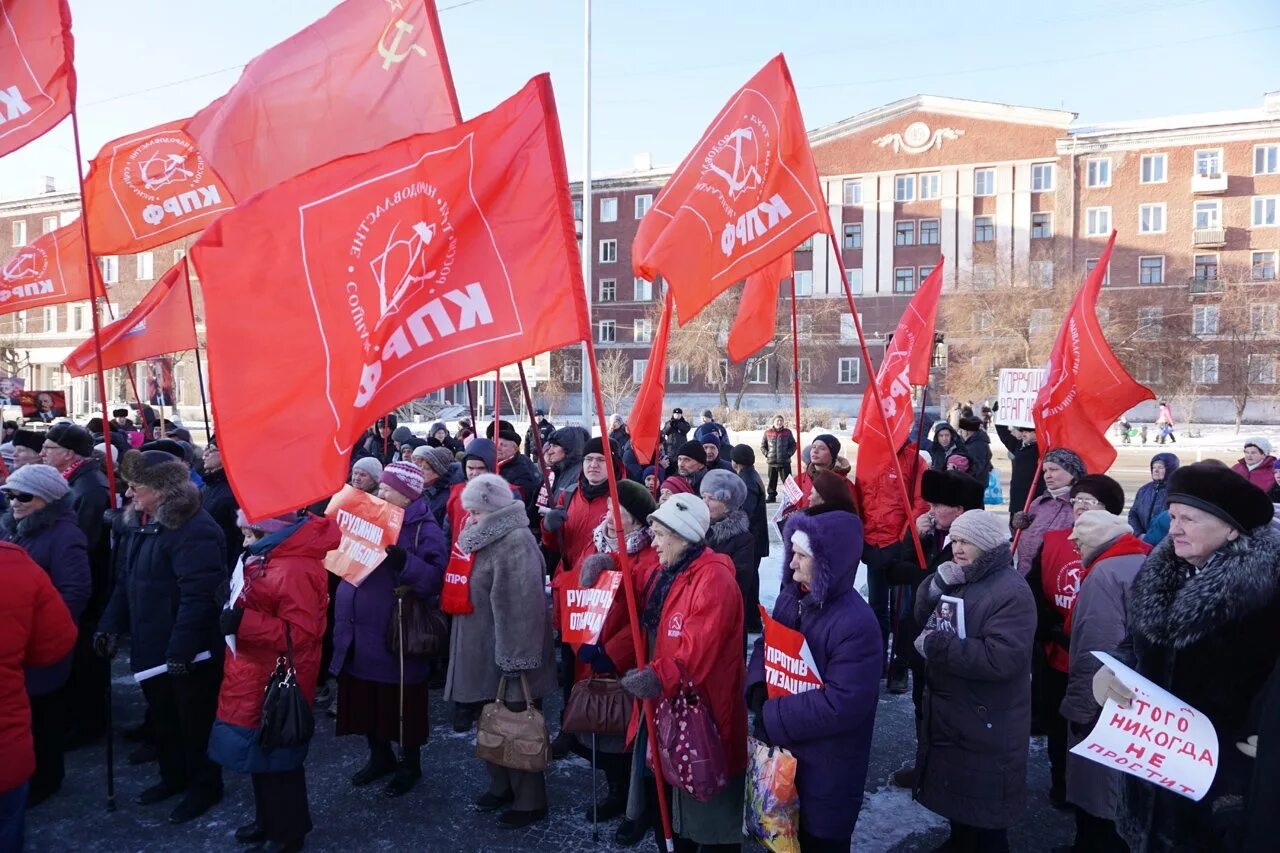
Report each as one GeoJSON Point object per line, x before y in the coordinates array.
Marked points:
{"type": "Point", "coordinates": [1061, 573]}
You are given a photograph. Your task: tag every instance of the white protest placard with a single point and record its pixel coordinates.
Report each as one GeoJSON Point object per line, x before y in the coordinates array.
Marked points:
{"type": "Point", "coordinates": [1017, 395]}
{"type": "Point", "coordinates": [1158, 738]}
{"type": "Point", "coordinates": [792, 497]}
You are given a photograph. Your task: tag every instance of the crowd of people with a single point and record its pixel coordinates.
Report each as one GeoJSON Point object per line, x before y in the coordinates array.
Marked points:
{"type": "Point", "coordinates": [989, 621]}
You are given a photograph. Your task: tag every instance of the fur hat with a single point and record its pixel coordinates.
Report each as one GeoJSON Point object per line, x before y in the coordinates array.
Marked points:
{"type": "Point", "coordinates": [636, 499]}
{"type": "Point", "coordinates": [28, 438]}
{"type": "Point", "coordinates": [155, 469]}
{"type": "Point", "coordinates": [1108, 492]}
{"type": "Point", "coordinates": [832, 443]}
{"type": "Point", "coordinates": [979, 527]}
{"type": "Point", "coordinates": [487, 493]}
{"type": "Point", "coordinates": [743, 455]}
{"type": "Point", "coordinates": [1096, 528]}
{"type": "Point", "coordinates": [684, 515]}
{"type": "Point", "coordinates": [437, 458]}
{"type": "Point", "coordinates": [43, 481]}
{"type": "Point", "coordinates": [970, 424]}
{"type": "Point", "coordinates": [119, 413]}
{"type": "Point", "coordinates": [484, 450]}
{"type": "Point", "coordinates": [1221, 492]}
{"type": "Point", "coordinates": [369, 465]}
{"type": "Point", "coordinates": [505, 430]}
{"type": "Point", "coordinates": [77, 439]}
{"type": "Point", "coordinates": [694, 450]}
{"type": "Point", "coordinates": [405, 478]}
{"type": "Point", "coordinates": [1067, 460]}
{"type": "Point", "coordinates": [952, 488]}
{"type": "Point", "coordinates": [266, 525]}
{"type": "Point", "coordinates": [676, 486]}
{"type": "Point", "coordinates": [1261, 443]}
{"type": "Point", "coordinates": [726, 487]}
{"type": "Point", "coordinates": [834, 490]}
{"type": "Point", "coordinates": [166, 445]}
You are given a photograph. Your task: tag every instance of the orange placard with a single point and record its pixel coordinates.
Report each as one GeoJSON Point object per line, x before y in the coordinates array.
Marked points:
{"type": "Point", "coordinates": [368, 525]}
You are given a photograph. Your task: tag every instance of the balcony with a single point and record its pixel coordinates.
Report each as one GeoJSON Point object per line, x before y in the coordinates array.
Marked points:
{"type": "Point", "coordinates": [1209, 184]}
{"type": "Point", "coordinates": [1201, 284]}
{"type": "Point", "coordinates": [1209, 237]}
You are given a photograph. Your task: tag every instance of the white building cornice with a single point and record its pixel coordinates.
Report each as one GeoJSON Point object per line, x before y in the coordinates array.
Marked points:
{"type": "Point", "coordinates": [960, 107]}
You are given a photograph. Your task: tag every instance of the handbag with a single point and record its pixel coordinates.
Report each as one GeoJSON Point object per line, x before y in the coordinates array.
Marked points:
{"type": "Point", "coordinates": [597, 705]}
{"type": "Point", "coordinates": [688, 743]}
{"type": "Point", "coordinates": [425, 628]}
{"type": "Point", "coordinates": [287, 720]}
{"type": "Point", "coordinates": [516, 740]}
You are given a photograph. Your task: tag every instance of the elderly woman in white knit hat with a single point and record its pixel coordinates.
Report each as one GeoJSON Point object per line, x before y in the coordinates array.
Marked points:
{"type": "Point", "coordinates": [366, 473]}
{"type": "Point", "coordinates": [977, 700]}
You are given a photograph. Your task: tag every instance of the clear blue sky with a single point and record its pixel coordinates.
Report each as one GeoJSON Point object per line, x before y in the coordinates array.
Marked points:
{"type": "Point", "coordinates": [663, 67]}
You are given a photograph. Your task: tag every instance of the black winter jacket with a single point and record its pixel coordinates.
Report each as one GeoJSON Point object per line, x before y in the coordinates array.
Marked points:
{"type": "Point", "coordinates": [220, 502]}
{"type": "Point", "coordinates": [1025, 459]}
{"type": "Point", "coordinates": [89, 501]}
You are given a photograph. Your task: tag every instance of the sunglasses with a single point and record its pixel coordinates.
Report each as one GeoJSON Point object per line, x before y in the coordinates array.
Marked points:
{"type": "Point", "coordinates": [20, 497]}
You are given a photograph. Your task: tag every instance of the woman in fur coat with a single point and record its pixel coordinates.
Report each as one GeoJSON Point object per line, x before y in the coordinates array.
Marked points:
{"type": "Point", "coordinates": [730, 533]}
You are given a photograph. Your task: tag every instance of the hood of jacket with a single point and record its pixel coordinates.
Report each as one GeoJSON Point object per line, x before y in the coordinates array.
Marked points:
{"type": "Point", "coordinates": [836, 537]}
{"type": "Point", "coordinates": [485, 450]}
{"type": "Point", "coordinates": [436, 427]}
{"type": "Point", "coordinates": [493, 527]}
{"type": "Point", "coordinates": [733, 524]}
{"type": "Point", "coordinates": [1170, 463]}
{"type": "Point", "coordinates": [573, 440]}
{"type": "Point", "coordinates": [179, 505]}
{"type": "Point", "coordinates": [312, 537]}
{"type": "Point", "coordinates": [39, 521]}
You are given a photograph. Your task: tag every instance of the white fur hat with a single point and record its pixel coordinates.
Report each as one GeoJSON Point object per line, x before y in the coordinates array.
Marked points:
{"type": "Point", "coordinates": [487, 493]}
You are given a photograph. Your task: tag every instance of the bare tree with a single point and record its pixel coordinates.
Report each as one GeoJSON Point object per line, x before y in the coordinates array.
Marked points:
{"type": "Point", "coordinates": [1241, 329]}
{"type": "Point", "coordinates": [617, 381]}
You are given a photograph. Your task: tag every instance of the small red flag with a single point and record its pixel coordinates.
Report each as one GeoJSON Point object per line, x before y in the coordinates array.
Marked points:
{"type": "Point", "coordinates": [160, 323]}
{"type": "Point", "coordinates": [1085, 387]}
{"type": "Point", "coordinates": [366, 74]}
{"type": "Point", "coordinates": [37, 73]}
{"type": "Point", "coordinates": [391, 273]}
{"type": "Point", "coordinates": [747, 194]}
{"type": "Point", "coordinates": [758, 310]}
{"type": "Point", "coordinates": [645, 421]}
{"type": "Point", "coordinates": [50, 270]}
{"type": "Point", "coordinates": [906, 363]}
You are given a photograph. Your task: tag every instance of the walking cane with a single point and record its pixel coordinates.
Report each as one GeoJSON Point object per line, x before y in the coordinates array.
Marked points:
{"type": "Point", "coordinates": [111, 749]}
{"type": "Point", "coordinates": [595, 800]}
{"type": "Point", "coordinates": [400, 633]}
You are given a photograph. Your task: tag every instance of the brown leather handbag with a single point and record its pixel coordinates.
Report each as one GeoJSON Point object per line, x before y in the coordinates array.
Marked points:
{"type": "Point", "coordinates": [597, 705]}
{"type": "Point", "coordinates": [516, 740]}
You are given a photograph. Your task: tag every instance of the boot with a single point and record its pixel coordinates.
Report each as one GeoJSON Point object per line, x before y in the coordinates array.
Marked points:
{"type": "Point", "coordinates": [630, 832]}
{"type": "Point", "coordinates": [562, 746]}
{"type": "Point", "coordinates": [610, 806]}
{"type": "Point", "coordinates": [194, 804]}
{"type": "Point", "coordinates": [381, 762]}
{"type": "Point", "coordinates": [898, 682]}
{"type": "Point", "coordinates": [406, 775]}
{"type": "Point", "coordinates": [906, 777]}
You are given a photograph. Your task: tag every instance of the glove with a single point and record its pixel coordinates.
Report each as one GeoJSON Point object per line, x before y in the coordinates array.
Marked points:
{"type": "Point", "coordinates": [592, 567]}
{"type": "Point", "coordinates": [1107, 686]}
{"type": "Point", "coordinates": [951, 573]}
{"type": "Point", "coordinates": [920, 642]}
{"type": "Point", "coordinates": [1249, 747]}
{"type": "Point", "coordinates": [177, 667]}
{"type": "Point", "coordinates": [756, 696]}
{"type": "Point", "coordinates": [1021, 520]}
{"type": "Point", "coordinates": [995, 407]}
{"type": "Point", "coordinates": [554, 519]}
{"type": "Point", "coordinates": [925, 524]}
{"type": "Point", "coordinates": [229, 620]}
{"type": "Point", "coordinates": [105, 645]}
{"type": "Point", "coordinates": [395, 558]}
{"type": "Point", "coordinates": [594, 656]}
{"type": "Point", "coordinates": [642, 683]}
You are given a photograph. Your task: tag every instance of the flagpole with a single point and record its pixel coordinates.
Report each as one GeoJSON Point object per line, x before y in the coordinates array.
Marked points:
{"type": "Point", "coordinates": [133, 381]}
{"type": "Point", "coordinates": [1031, 496]}
{"type": "Point", "coordinates": [895, 595]}
{"type": "Point", "coordinates": [795, 376]}
{"type": "Point", "coordinates": [588, 248]}
{"type": "Point", "coordinates": [204, 402]}
{"type": "Point", "coordinates": [537, 433]}
{"type": "Point", "coordinates": [471, 401]}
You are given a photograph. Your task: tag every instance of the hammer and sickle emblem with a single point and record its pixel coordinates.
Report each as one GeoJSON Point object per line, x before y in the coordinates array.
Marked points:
{"type": "Point", "coordinates": [391, 55]}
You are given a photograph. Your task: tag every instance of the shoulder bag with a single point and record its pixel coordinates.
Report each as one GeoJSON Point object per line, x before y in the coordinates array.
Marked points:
{"type": "Point", "coordinates": [287, 720]}
{"type": "Point", "coordinates": [516, 740]}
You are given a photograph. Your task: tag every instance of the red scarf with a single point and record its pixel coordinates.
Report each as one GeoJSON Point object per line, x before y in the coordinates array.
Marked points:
{"type": "Point", "coordinates": [72, 468]}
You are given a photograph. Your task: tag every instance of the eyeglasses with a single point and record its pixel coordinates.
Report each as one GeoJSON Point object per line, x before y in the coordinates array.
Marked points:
{"type": "Point", "coordinates": [20, 497]}
{"type": "Point", "coordinates": [1083, 501]}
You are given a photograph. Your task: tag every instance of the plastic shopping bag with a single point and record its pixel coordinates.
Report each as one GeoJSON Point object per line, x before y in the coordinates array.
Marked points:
{"type": "Point", "coordinates": [772, 813]}
{"type": "Point", "coordinates": [993, 495]}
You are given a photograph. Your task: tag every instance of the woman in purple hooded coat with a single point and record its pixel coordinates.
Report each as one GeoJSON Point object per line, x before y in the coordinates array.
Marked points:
{"type": "Point", "coordinates": [827, 729]}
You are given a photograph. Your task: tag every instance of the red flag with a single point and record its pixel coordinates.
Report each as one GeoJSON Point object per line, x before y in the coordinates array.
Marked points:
{"type": "Point", "coordinates": [391, 274]}
{"type": "Point", "coordinates": [37, 74]}
{"type": "Point", "coordinates": [366, 74]}
{"type": "Point", "coordinates": [758, 311]}
{"type": "Point", "coordinates": [906, 363]}
{"type": "Point", "coordinates": [645, 421]}
{"type": "Point", "coordinates": [160, 323]}
{"type": "Point", "coordinates": [151, 187]}
{"type": "Point", "coordinates": [1085, 387]}
{"type": "Point", "coordinates": [50, 270]}
{"type": "Point", "coordinates": [747, 194]}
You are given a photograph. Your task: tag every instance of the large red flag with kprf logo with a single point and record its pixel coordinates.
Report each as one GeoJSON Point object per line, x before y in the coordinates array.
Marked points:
{"type": "Point", "coordinates": [906, 363]}
{"type": "Point", "coordinates": [1085, 387]}
{"type": "Point", "coordinates": [391, 274]}
{"type": "Point", "coordinates": [747, 194]}
{"type": "Point", "coordinates": [758, 310]}
{"type": "Point", "coordinates": [160, 323]}
{"type": "Point", "coordinates": [366, 74]}
{"type": "Point", "coordinates": [37, 75]}
{"type": "Point", "coordinates": [51, 269]}
{"type": "Point", "coordinates": [645, 421]}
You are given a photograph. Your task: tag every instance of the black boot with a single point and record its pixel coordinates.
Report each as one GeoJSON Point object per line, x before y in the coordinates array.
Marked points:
{"type": "Point", "coordinates": [406, 774]}
{"type": "Point", "coordinates": [381, 762]}
{"type": "Point", "coordinates": [610, 806]}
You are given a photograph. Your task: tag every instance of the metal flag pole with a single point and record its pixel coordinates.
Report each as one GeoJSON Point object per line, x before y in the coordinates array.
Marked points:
{"type": "Point", "coordinates": [204, 402]}
{"type": "Point", "coordinates": [588, 248]}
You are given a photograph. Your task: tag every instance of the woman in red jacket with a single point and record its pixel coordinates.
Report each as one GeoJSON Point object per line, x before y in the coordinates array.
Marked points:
{"type": "Point", "coordinates": [283, 601]}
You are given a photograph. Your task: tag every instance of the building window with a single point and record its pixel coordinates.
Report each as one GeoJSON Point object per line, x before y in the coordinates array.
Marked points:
{"type": "Point", "coordinates": [806, 246]}
{"type": "Point", "coordinates": [984, 182]}
{"type": "Point", "coordinates": [49, 319]}
{"type": "Point", "coordinates": [1151, 218]}
{"type": "Point", "coordinates": [930, 186]}
{"type": "Point", "coordinates": [637, 369]}
{"type": "Point", "coordinates": [1209, 163]}
{"type": "Point", "coordinates": [608, 289]}
{"type": "Point", "coordinates": [1206, 267]}
{"type": "Point", "coordinates": [1264, 211]}
{"type": "Point", "coordinates": [608, 332]}
{"type": "Point", "coordinates": [1207, 214]}
{"type": "Point", "coordinates": [1204, 319]}
{"type": "Point", "coordinates": [1041, 226]}
{"type": "Point", "coordinates": [1150, 322]}
{"type": "Point", "coordinates": [1042, 274]}
{"type": "Point", "coordinates": [1263, 318]}
{"type": "Point", "coordinates": [1042, 177]}
{"type": "Point", "coordinates": [78, 320]}
{"type": "Point", "coordinates": [982, 322]}
{"type": "Point", "coordinates": [853, 235]}
{"type": "Point", "coordinates": [806, 374]}
{"type": "Point", "coordinates": [642, 290]}
{"type": "Point", "coordinates": [804, 327]}
{"type": "Point", "coordinates": [571, 370]}
{"type": "Point", "coordinates": [1264, 266]}
{"type": "Point", "coordinates": [855, 280]}
{"type": "Point", "coordinates": [904, 280]}
{"type": "Point", "coordinates": [1092, 264]}
{"type": "Point", "coordinates": [643, 203]}
{"type": "Point", "coordinates": [904, 233]}
{"type": "Point", "coordinates": [847, 371]}
{"type": "Point", "coordinates": [20, 232]}
{"type": "Point", "coordinates": [1150, 371]}
{"type": "Point", "coordinates": [717, 371]}
{"type": "Point", "coordinates": [1266, 159]}
{"type": "Point", "coordinates": [758, 372]}
{"type": "Point", "coordinates": [608, 210]}
{"type": "Point", "coordinates": [678, 373]}
{"type": "Point", "coordinates": [803, 283]}
{"type": "Point", "coordinates": [1262, 369]}
{"type": "Point", "coordinates": [852, 191]}
{"type": "Point", "coordinates": [904, 188]}
{"type": "Point", "coordinates": [848, 334]}
{"type": "Point", "coordinates": [924, 273]}
{"type": "Point", "coordinates": [1041, 318]}
{"type": "Point", "coordinates": [1098, 172]}
{"type": "Point", "coordinates": [1153, 168]}
{"type": "Point", "coordinates": [608, 251]}
{"type": "Point", "coordinates": [1151, 270]}
{"type": "Point", "coordinates": [642, 331]}
{"type": "Point", "coordinates": [109, 266]}
{"type": "Point", "coordinates": [577, 209]}
{"type": "Point", "coordinates": [984, 229]}
{"type": "Point", "coordinates": [146, 266]}
{"type": "Point", "coordinates": [1097, 221]}
{"type": "Point", "coordinates": [930, 230]}
{"type": "Point", "coordinates": [49, 223]}
{"type": "Point", "coordinates": [984, 276]}
{"type": "Point", "coordinates": [1204, 369]}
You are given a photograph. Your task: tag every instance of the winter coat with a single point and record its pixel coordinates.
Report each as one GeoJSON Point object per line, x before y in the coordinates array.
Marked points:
{"type": "Point", "coordinates": [545, 429]}
{"type": "Point", "coordinates": [1152, 497]}
{"type": "Point", "coordinates": [437, 493]}
{"type": "Point", "coordinates": [1212, 640]}
{"type": "Point", "coordinates": [220, 502]}
{"type": "Point", "coordinates": [712, 431]}
{"type": "Point", "coordinates": [584, 514]}
{"type": "Point", "coordinates": [1097, 625]}
{"type": "Point", "coordinates": [828, 729]}
{"type": "Point", "coordinates": [756, 510]}
{"type": "Point", "coordinates": [977, 699]}
{"type": "Point", "coordinates": [1262, 476]}
{"type": "Point", "coordinates": [978, 448]}
{"type": "Point", "coordinates": [620, 438]}
{"type": "Point", "coordinates": [508, 630]}
{"type": "Point", "coordinates": [523, 473]}
{"type": "Point", "coordinates": [632, 465]}
{"type": "Point", "coordinates": [778, 446]}
{"type": "Point", "coordinates": [880, 500]}
{"type": "Point", "coordinates": [1262, 807]}
{"type": "Point", "coordinates": [363, 614]}
{"type": "Point", "coordinates": [1047, 513]}
{"type": "Point", "coordinates": [36, 630]}
{"type": "Point", "coordinates": [90, 502]}
{"type": "Point", "coordinates": [938, 455]}
{"type": "Point", "coordinates": [167, 595]}
{"type": "Point", "coordinates": [1159, 529]}
{"type": "Point", "coordinates": [1025, 459]}
{"type": "Point", "coordinates": [384, 450]}
{"type": "Point", "coordinates": [675, 432]}
{"type": "Point", "coordinates": [732, 537]}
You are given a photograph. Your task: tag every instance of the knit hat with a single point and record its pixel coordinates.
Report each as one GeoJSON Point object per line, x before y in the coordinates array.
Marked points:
{"type": "Point", "coordinates": [369, 465]}
{"type": "Point", "coordinates": [43, 481]}
{"type": "Point", "coordinates": [834, 490]}
{"type": "Point", "coordinates": [978, 527]}
{"type": "Point", "coordinates": [726, 487]}
{"type": "Point", "coordinates": [1223, 493]}
{"type": "Point", "coordinates": [266, 525]}
{"type": "Point", "coordinates": [684, 515]}
{"type": "Point", "coordinates": [800, 542]}
{"type": "Point", "coordinates": [743, 455]}
{"type": "Point", "coordinates": [1067, 460]}
{"type": "Point", "coordinates": [832, 443]}
{"type": "Point", "coordinates": [103, 448]}
{"type": "Point", "coordinates": [649, 471]}
{"type": "Point", "coordinates": [1108, 492]}
{"type": "Point", "coordinates": [1096, 528]}
{"type": "Point", "coordinates": [405, 478]}
{"type": "Point", "coordinates": [28, 438]}
{"type": "Point", "coordinates": [706, 413]}
{"type": "Point", "coordinates": [166, 445]}
{"type": "Point", "coordinates": [595, 444]}
{"type": "Point", "coordinates": [1261, 443]}
{"type": "Point", "coordinates": [694, 450]}
{"type": "Point", "coordinates": [437, 458]}
{"type": "Point", "coordinates": [77, 439]}
{"type": "Point", "coordinates": [401, 434]}
{"type": "Point", "coordinates": [484, 450]}
{"type": "Point", "coordinates": [951, 488]}
{"type": "Point", "coordinates": [487, 493]}
{"type": "Point", "coordinates": [636, 499]}
{"type": "Point", "coordinates": [155, 469]}
{"type": "Point", "coordinates": [676, 486]}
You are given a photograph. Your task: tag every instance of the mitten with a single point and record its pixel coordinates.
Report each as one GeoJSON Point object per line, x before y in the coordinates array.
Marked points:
{"type": "Point", "coordinates": [920, 641]}
{"type": "Point", "coordinates": [951, 573]}
{"type": "Point", "coordinates": [554, 519]}
{"type": "Point", "coordinates": [229, 620]}
{"type": "Point", "coordinates": [594, 656]}
{"type": "Point", "coordinates": [592, 567]}
{"type": "Point", "coordinates": [1249, 747]}
{"type": "Point", "coordinates": [1107, 686]}
{"type": "Point", "coordinates": [395, 558]}
{"type": "Point", "coordinates": [1021, 520]}
{"type": "Point", "coordinates": [177, 667]}
{"type": "Point", "coordinates": [105, 645]}
{"type": "Point", "coordinates": [642, 683]}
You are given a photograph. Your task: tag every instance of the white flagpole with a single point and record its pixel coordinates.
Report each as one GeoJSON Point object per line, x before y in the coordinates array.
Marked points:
{"type": "Point", "coordinates": [588, 247]}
